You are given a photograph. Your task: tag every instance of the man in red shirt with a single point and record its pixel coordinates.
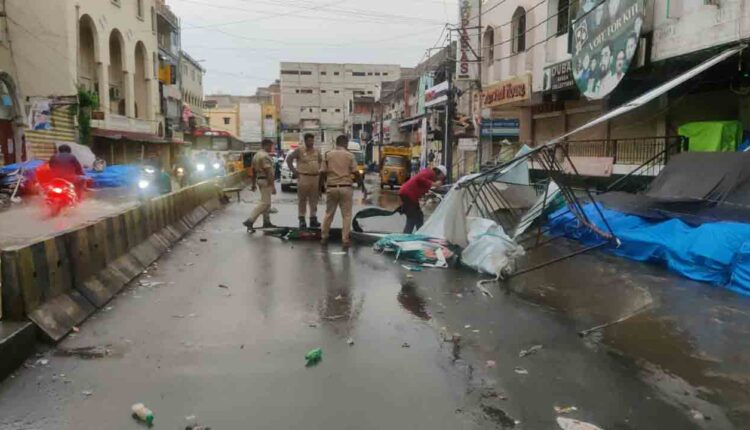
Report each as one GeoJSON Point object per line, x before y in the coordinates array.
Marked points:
{"type": "Point", "coordinates": [413, 190]}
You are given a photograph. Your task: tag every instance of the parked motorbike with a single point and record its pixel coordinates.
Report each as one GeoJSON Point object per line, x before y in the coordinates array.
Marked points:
{"type": "Point", "coordinates": [59, 195]}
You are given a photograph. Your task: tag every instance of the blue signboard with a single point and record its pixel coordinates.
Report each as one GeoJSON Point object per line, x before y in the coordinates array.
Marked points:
{"type": "Point", "coordinates": [500, 127]}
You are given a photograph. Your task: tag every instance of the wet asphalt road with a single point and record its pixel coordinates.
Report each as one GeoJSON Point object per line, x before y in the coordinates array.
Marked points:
{"type": "Point", "coordinates": [234, 357]}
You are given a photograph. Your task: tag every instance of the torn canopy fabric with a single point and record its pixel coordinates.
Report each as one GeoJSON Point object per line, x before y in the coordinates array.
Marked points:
{"type": "Point", "coordinates": [418, 248]}
{"type": "Point", "coordinates": [490, 250]}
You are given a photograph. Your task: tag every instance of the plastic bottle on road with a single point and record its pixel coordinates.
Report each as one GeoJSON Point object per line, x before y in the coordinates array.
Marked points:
{"type": "Point", "coordinates": [314, 356]}
{"type": "Point", "coordinates": [143, 413]}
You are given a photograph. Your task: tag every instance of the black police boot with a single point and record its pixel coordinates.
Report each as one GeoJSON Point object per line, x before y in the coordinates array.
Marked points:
{"type": "Point", "coordinates": [314, 222]}
{"type": "Point", "coordinates": [302, 225]}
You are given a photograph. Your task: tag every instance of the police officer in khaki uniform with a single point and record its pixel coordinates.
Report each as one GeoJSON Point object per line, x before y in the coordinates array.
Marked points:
{"type": "Point", "coordinates": [336, 173]}
{"type": "Point", "coordinates": [263, 178]}
{"type": "Point", "coordinates": [307, 173]}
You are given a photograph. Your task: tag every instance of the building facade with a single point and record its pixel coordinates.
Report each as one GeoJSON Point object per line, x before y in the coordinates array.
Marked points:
{"type": "Point", "coordinates": [102, 48]}
{"type": "Point", "coordinates": [191, 90]}
{"type": "Point", "coordinates": [316, 97]}
{"type": "Point", "coordinates": [169, 44]}
{"type": "Point", "coordinates": [535, 69]}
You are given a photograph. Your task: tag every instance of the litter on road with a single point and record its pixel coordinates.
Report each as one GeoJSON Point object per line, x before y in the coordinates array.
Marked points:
{"type": "Point", "coordinates": [521, 371]}
{"type": "Point", "coordinates": [314, 356]}
{"type": "Point", "coordinates": [565, 410]}
{"type": "Point", "coordinates": [405, 345]}
{"type": "Point", "coordinates": [491, 364]}
{"type": "Point", "coordinates": [223, 286]}
{"type": "Point", "coordinates": [142, 413]}
{"type": "Point", "coordinates": [350, 341]}
{"type": "Point", "coordinates": [530, 351]}
{"type": "Point", "coordinates": [571, 424]}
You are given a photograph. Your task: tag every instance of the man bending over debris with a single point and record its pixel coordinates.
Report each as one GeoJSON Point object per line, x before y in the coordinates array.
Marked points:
{"type": "Point", "coordinates": [413, 190]}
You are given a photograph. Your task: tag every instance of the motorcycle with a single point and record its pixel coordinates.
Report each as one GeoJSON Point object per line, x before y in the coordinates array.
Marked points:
{"type": "Point", "coordinates": [147, 183]}
{"type": "Point", "coordinates": [59, 194]}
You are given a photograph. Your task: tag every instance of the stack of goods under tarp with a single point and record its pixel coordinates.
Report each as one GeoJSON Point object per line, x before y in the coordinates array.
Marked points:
{"type": "Point", "coordinates": [694, 218]}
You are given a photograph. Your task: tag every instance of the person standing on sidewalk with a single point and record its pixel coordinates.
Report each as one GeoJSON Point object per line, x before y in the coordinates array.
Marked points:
{"type": "Point", "coordinates": [262, 179]}
{"type": "Point", "coordinates": [307, 173]}
{"type": "Point", "coordinates": [337, 170]}
{"type": "Point", "coordinates": [413, 190]}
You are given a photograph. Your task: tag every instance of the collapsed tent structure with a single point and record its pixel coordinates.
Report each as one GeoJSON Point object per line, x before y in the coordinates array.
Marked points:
{"type": "Point", "coordinates": [697, 225]}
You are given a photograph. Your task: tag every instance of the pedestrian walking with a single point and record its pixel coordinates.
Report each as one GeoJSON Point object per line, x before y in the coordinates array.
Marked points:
{"type": "Point", "coordinates": [336, 173]}
{"type": "Point", "coordinates": [413, 190]}
{"type": "Point", "coordinates": [307, 172]}
{"type": "Point", "coordinates": [262, 179]}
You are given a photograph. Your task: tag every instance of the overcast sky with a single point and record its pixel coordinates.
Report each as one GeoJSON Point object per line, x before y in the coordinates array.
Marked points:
{"type": "Point", "coordinates": [243, 41]}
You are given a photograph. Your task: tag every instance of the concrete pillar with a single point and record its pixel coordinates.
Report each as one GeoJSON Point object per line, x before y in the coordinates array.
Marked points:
{"type": "Point", "coordinates": [662, 121]}
{"type": "Point", "coordinates": [102, 75]}
{"type": "Point", "coordinates": [526, 126]}
{"type": "Point", "coordinates": [128, 85]}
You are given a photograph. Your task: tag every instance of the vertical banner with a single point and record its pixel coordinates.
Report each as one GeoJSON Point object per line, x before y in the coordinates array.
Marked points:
{"type": "Point", "coordinates": [423, 154]}
{"type": "Point", "coordinates": [468, 45]}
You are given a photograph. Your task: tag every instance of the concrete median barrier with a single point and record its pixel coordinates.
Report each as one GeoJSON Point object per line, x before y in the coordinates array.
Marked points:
{"type": "Point", "coordinates": [59, 281]}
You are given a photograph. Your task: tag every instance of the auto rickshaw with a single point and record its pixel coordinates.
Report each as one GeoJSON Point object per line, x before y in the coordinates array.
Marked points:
{"type": "Point", "coordinates": [394, 166]}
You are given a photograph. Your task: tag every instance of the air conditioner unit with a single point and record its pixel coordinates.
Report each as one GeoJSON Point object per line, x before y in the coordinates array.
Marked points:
{"type": "Point", "coordinates": [114, 93]}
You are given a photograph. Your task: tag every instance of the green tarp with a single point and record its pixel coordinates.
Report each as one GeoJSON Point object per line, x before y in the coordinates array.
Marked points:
{"type": "Point", "coordinates": [712, 136]}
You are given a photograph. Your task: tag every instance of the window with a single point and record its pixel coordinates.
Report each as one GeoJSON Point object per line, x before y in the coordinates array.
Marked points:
{"type": "Point", "coordinates": [153, 20]}
{"type": "Point", "coordinates": [227, 120]}
{"type": "Point", "coordinates": [323, 91]}
{"type": "Point", "coordinates": [358, 73]}
{"type": "Point", "coordinates": [156, 66]}
{"type": "Point", "coordinates": [139, 9]}
{"type": "Point", "coordinates": [369, 73]}
{"type": "Point", "coordinates": [338, 110]}
{"type": "Point", "coordinates": [306, 91]}
{"type": "Point", "coordinates": [290, 72]}
{"type": "Point", "coordinates": [305, 72]}
{"type": "Point", "coordinates": [269, 116]}
{"type": "Point", "coordinates": [310, 110]}
{"type": "Point", "coordinates": [296, 91]}
{"type": "Point", "coordinates": [335, 73]}
{"type": "Point", "coordinates": [369, 92]}
{"type": "Point", "coordinates": [385, 73]}
{"type": "Point", "coordinates": [563, 19]}
{"type": "Point", "coordinates": [518, 31]}
{"type": "Point", "coordinates": [324, 110]}
{"type": "Point", "coordinates": [336, 92]}
{"type": "Point", "coordinates": [116, 3]}
{"type": "Point", "coordinates": [489, 46]}
{"type": "Point", "coordinates": [377, 73]}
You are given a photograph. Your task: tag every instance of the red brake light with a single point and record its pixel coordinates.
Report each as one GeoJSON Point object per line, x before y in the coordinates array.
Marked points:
{"type": "Point", "coordinates": [57, 190]}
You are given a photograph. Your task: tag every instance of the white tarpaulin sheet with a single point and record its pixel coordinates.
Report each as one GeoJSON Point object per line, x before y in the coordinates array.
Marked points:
{"type": "Point", "coordinates": [490, 250]}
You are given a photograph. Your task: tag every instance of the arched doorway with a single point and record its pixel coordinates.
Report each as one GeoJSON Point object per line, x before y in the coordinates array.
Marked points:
{"type": "Point", "coordinates": [117, 95]}
{"type": "Point", "coordinates": [87, 53]}
{"type": "Point", "coordinates": [140, 81]}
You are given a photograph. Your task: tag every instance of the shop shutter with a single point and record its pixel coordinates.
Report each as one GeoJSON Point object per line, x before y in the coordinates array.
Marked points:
{"type": "Point", "coordinates": [40, 144]}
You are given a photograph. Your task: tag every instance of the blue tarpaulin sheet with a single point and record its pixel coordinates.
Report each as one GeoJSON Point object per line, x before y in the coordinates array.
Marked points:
{"type": "Point", "coordinates": [718, 252]}
{"type": "Point", "coordinates": [119, 175]}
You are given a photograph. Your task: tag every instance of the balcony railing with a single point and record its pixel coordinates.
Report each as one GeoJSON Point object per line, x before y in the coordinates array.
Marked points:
{"type": "Point", "coordinates": [631, 151]}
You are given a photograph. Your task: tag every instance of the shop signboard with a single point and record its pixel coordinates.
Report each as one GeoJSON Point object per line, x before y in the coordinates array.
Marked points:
{"type": "Point", "coordinates": [558, 76]}
{"type": "Point", "coordinates": [606, 37]}
{"type": "Point", "coordinates": [507, 91]}
{"type": "Point", "coordinates": [468, 45]}
{"type": "Point", "coordinates": [503, 127]}
{"type": "Point", "coordinates": [436, 95]}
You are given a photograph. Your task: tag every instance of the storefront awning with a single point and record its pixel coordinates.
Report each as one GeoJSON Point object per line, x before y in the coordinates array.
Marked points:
{"type": "Point", "coordinates": [654, 93]}
{"type": "Point", "coordinates": [127, 135]}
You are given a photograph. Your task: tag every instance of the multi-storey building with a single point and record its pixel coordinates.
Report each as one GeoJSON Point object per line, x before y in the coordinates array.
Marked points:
{"type": "Point", "coordinates": [555, 65]}
{"type": "Point", "coordinates": [191, 89]}
{"type": "Point", "coordinates": [315, 97]}
{"type": "Point", "coordinates": [102, 51]}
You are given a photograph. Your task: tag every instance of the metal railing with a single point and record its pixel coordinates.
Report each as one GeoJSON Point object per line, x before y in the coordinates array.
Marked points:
{"type": "Point", "coordinates": [650, 168]}
{"type": "Point", "coordinates": [631, 151]}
